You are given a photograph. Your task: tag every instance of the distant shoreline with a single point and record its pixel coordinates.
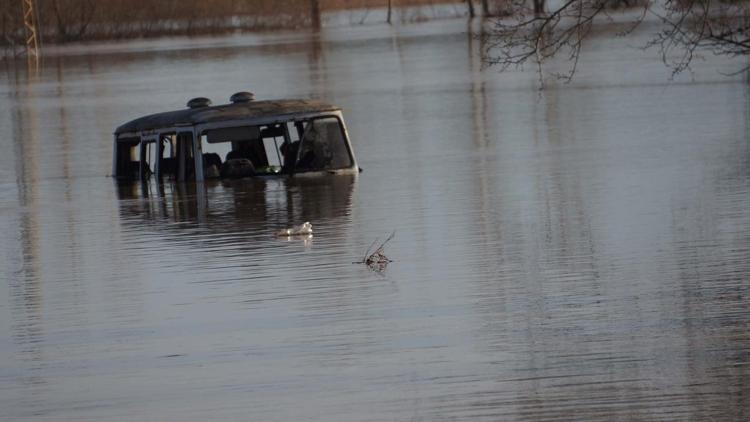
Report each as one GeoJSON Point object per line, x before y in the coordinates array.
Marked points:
{"type": "Point", "coordinates": [100, 21]}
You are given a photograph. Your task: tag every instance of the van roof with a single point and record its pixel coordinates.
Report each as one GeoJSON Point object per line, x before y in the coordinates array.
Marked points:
{"type": "Point", "coordinates": [226, 112]}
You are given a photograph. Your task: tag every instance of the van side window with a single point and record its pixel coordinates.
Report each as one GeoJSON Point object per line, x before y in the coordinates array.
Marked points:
{"type": "Point", "coordinates": [250, 150]}
{"type": "Point", "coordinates": [128, 164]}
{"type": "Point", "coordinates": [148, 158]}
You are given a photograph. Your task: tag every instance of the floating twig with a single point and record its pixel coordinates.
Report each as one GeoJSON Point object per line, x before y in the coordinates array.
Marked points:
{"type": "Point", "coordinates": [376, 260]}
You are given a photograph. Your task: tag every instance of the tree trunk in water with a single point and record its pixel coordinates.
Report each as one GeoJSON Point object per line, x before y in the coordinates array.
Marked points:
{"type": "Point", "coordinates": [471, 8]}
{"type": "Point", "coordinates": [390, 4]}
{"type": "Point", "coordinates": [315, 13]}
{"type": "Point", "coordinates": [485, 8]}
{"type": "Point", "coordinates": [62, 28]}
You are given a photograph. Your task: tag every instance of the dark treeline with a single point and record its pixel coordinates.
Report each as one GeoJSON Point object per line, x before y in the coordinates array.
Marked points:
{"type": "Point", "coordinates": [74, 20]}
{"type": "Point", "coordinates": [78, 20]}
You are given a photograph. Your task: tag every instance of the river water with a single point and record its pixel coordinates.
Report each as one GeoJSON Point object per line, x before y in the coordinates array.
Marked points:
{"type": "Point", "coordinates": [576, 253]}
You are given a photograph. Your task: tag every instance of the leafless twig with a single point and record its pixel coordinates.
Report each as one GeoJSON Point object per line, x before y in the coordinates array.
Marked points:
{"type": "Point", "coordinates": [720, 27]}
{"type": "Point", "coordinates": [376, 260]}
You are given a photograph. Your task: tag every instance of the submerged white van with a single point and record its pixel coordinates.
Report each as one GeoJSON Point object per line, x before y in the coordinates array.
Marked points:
{"type": "Point", "coordinates": [245, 138]}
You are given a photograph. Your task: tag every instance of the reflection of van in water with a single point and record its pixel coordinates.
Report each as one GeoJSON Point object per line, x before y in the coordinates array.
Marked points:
{"type": "Point", "coordinates": [244, 138]}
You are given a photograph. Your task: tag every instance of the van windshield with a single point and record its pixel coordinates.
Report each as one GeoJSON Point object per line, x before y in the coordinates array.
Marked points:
{"type": "Point", "coordinates": [323, 146]}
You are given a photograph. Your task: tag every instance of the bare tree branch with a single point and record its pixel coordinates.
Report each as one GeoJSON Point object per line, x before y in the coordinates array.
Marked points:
{"type": "Point", "coordinates": [689, 27]}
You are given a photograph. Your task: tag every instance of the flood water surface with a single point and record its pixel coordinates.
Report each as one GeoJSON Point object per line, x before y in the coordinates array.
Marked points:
{"type": "Point", "coordinates": [575, 254]}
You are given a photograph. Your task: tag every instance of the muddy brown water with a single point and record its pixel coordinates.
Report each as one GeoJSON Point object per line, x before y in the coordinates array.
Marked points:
{"type": "Point", "coordinates": [572, 255]}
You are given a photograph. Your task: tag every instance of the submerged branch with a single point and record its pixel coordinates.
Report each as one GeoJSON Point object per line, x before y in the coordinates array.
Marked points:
{"type": "Point", "coordinates": [377, 260]}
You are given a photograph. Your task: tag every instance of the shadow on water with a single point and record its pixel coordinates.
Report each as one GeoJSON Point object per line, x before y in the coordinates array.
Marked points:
{"type": "Point", "coordinates": [26, 296]}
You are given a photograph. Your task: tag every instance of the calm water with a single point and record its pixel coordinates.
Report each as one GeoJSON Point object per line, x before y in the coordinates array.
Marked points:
{"type": "Point", "coordinates": [577, 254]}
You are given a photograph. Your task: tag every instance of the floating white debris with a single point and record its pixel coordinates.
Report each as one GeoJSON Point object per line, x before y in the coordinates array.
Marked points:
{"type": "Point", "coordinates": [301, 230]}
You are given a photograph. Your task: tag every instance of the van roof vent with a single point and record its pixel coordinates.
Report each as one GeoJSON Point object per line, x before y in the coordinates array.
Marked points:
{"type": "Point", "coordinates": [242, 97]}
{"type": "Point", "coordinates": [199, 102]}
